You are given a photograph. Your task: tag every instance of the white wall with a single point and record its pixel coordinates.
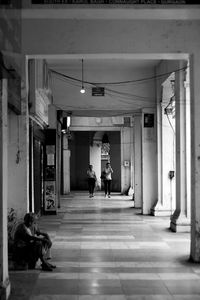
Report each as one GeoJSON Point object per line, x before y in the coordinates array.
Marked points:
{"type": "Point", "coordinates": [168, 142]}
{"type": "Point", "coordinates": [138, 160]}
{"type": "Point", "coordinates": [126, 155]}
{"type": "Point", "coordinates": [99, 123]}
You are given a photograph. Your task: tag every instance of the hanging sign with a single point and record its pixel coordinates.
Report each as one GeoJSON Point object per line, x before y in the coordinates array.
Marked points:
{"type": "Point", "coordinates": [98, 91]}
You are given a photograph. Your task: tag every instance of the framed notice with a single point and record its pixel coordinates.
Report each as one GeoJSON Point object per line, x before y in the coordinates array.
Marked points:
{"type": "Point", "coordinates": [50, 160]}
{"type": "Point", "coordinates": [50, 196]}
{"type": "Point", "coordinates": [148, 120]}
{"type": "Point", "coordinates": [50, 149]}
{"type": "Point", "coordinates": [50, 173]}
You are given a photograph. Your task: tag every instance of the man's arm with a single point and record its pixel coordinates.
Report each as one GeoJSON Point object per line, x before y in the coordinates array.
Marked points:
{"type": "Point", "coordinates": [44, 234]}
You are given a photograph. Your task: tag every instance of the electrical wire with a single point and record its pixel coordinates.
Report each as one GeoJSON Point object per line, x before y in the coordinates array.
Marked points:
{"type": "Point", "coordinates": [128, 95]}
{"type": "Point", "coordinates": [119, 82]}
{"type": "Point", "coordinates": [138, 110]}
{"type": "Point", "coordinates": [123, 95]}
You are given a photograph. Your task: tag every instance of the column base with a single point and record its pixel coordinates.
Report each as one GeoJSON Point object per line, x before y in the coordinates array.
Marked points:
{"type": "Point", "coordinates": [5, 290]}
{"type": "Point", "coordinates": [180, 223]}
{"type": "Point", "coordinates": [159, 210]}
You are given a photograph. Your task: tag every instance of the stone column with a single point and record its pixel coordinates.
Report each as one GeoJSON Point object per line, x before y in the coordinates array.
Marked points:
{"type": "Point", "coordinates": [156, 209]}
{"type": "Point", "coordinates": [95, 160]}
{"type": "Point", "coordinates": [4, 278]}
{"type": "Point", "coordinates": [66, 166]}
{"type": "Point", "coordinates": [58, 164]}
{"type": "Point", "coordinates": [195, 158]}
{"type": "Point", "coordinates": [165, 151]}
{"type": "Point", "coordinates": [180, 221]}
{"type": "Point", "coordinates": [126, 148]}
{"type": "Point", "coordinates": [149, 160]}
{"type": "Point", "coordinates": [138, 160]}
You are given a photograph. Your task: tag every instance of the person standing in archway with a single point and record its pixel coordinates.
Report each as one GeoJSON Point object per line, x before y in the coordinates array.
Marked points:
{"type": "Point", "coordinates": [91, 180]}
{"type": "Point", "coordinates": [108, 179]}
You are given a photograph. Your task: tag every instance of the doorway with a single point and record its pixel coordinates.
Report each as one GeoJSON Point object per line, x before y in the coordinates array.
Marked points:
{"type": "Point", "coordinates": [85, 151]}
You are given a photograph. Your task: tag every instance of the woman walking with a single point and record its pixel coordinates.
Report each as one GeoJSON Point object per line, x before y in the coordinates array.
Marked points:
{"type": "Point", "coordinates": [91, 180]}
{"type": "Point", "coordinates": [108, 179]}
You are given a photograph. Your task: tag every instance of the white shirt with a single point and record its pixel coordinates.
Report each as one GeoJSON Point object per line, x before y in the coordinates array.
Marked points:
{"type": "Point", "coordinates": [108, 171]}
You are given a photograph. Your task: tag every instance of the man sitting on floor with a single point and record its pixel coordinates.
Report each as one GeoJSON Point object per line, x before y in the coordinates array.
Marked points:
{"type": "Point", "coordinates": [31, 244]}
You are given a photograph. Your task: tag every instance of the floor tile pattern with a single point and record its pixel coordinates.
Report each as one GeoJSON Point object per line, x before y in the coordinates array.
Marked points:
{"type": "Point", "coordinates": [105, 249]}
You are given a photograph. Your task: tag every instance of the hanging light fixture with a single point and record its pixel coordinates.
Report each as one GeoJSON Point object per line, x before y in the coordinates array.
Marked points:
{"type": "Point", "coordinates": [64, 125]}
{"type": "Point", "coordinates": [82, 88]}
{"type": "Point", "coordinates": [66, 122]}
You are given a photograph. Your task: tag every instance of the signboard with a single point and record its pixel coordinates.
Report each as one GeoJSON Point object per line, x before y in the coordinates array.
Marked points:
{"type": "Point", "coordinates": [98, 91]}
{"type": "Point", "coordinates": [163, 2]}
{"type": "Point", "coordinates": [148, 120]}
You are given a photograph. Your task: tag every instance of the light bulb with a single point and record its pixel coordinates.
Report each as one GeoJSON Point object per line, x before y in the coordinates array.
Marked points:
{"type": "Point", "coordinates": [68, 121]}
{"type": "Point", "coordinates": [82, 90]}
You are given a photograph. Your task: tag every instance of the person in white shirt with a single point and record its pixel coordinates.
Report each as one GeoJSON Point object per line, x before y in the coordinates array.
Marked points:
{"type": "Point", "coordinates": [91, 180]}
{"type": "Point", "coordinates": [108, 179]}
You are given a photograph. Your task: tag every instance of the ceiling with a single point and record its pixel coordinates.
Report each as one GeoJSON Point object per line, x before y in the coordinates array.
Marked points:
{"type": "Point", "coordinates": [102, 63]}
{"type": "Point", "coordinates": [122, 100]}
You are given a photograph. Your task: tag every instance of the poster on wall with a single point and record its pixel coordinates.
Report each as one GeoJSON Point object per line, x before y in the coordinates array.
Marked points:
{"type": "Point", "coordinates": [50, 173]}
{"type": "Point", "coordinates": [50, 196]}
{"type": "Point", "coordinates": [50, 160]}
{"type": "Point", "coordinates": [50, 149]}
{"type": "Point", "coordinates": [149, 120]}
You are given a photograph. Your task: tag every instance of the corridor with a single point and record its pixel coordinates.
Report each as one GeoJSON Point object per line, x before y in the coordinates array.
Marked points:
{"type": "Point", "coordinates": [105, 249]}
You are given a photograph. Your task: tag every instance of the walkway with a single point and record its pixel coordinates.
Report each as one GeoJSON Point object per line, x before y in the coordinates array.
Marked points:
{"type": "Point", "coordinates": [105, 249]}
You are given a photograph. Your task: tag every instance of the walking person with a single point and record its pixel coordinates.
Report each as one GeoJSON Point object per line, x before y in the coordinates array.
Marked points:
{"type": "Point", "coordinates": [91, 180]}
{"type": "Point", "coordinates": [108, 179]}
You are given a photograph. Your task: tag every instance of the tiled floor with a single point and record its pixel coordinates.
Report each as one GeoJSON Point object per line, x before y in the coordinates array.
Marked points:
{"type": "Point", "coordinates": [105, 249]}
